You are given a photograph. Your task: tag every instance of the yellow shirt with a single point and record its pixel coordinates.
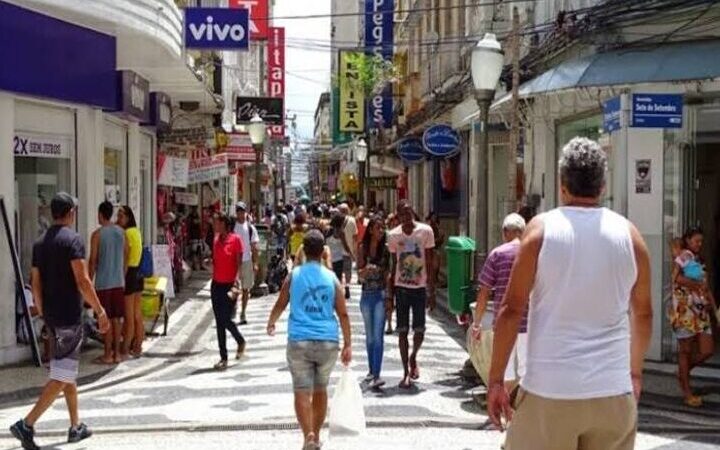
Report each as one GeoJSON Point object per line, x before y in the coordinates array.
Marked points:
{"type": "Point", "coordinates": [135, 243]}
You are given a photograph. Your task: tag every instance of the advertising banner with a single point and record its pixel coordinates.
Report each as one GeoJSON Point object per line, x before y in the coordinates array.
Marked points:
{"type": "Point", "coordinates": [172, 171]}
{"type": "Point", "coordinates": [259, 22]}
{"type": "Point", "coordinates": [352, 99]}
{"type": "Point", "coordinates": [276, 71]}
{"type": "Point", "coordinates": [379, 41]}
{"type": "Point", "coordinates": [216, 28]}
{"type": "Point", "coordinates": [186, 198]}
{"type": "Point", "coordinates": [239, 147]}
{"type": "Point", "coordinates": [41, 145]}
{"type": "Point", "coordinates": [271, 110]}
{"type": "Point", "coordinates": [208, 169]}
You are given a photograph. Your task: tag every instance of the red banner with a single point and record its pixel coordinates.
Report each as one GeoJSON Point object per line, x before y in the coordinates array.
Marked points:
{"type": "Point", "coordinates": [276, 71]}
{"type": "Point", "coordinates": [259, 20]}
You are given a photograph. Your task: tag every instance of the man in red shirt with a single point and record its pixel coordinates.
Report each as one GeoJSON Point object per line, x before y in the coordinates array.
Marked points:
{"type": "Point", "coordinates": [227, 265]}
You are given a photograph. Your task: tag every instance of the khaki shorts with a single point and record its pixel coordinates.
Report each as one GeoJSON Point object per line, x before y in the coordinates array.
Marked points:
{"type": "Point", "coordinates": [247, 279]}
{"type": "Point", "coordinates": [607, 423]}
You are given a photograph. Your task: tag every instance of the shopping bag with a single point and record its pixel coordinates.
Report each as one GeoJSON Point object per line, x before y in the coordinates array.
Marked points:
{"type": "Point", "coordinates": [347, 415]}
{"type": "Point", "coordinates": [481, 352]}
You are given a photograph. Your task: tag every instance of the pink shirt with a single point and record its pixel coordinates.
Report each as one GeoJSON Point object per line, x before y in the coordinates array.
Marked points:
{"type": "Point", "coordinates": [410, 250]}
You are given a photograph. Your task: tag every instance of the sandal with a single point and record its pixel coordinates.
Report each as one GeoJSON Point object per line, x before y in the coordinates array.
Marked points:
{"type": "Point", "coordinates": [693, 401]}
{"type": "Point", "coordinates": [100, 360]}
{"type": "Point", "coordinates": [405, 383]}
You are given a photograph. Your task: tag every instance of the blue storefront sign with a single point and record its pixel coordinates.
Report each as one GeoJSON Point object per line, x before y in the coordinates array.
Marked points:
{"type": "Point", "coordinates": [133, 101]}
{"type": "Point", "coordinates": [217, 28]}
{"type": "Point", "coordinates": [611, 115]}
{"type": "Point", "coordinates": [410, 150]}
{"type": "Point", "coordinates": [441, 141]}
{"type": "Point", "coordinates": [379, 41]}
{"type": "Point", "coordinates": [46, 57]}
{"type": "Point", "coordinates": [160, 111]}
{"type": "Point", "coordinates": [657, 110]}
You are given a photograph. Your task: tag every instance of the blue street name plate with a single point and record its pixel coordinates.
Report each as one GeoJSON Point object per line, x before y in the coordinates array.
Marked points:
{"type": "Point", "coordinates": [657, 110]}
{"type": "Point", "coordinates": [611, 115]}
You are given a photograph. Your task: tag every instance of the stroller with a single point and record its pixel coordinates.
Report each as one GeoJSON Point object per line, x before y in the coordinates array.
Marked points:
{"type": "Point", "coordinates": [277, 271]}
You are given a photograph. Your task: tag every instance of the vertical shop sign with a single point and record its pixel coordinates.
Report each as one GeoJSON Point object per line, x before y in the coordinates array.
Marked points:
{"type": "Point", "coordinates": [352, 99]}
{"type": "Point", "coordinates": [259, 20]}
{"type": "Point", "coordinates": [379, 42]}
{"type": "Point", "coordinates": [276, 71]}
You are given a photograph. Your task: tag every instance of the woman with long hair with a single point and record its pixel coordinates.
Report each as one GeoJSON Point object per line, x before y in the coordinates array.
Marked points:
{"type": "Point", "coordinates": [134, 329]}
{"type": "Point", "coordinates": [373, 267]}
{"type": "Point", "coordinates": [692, 305]}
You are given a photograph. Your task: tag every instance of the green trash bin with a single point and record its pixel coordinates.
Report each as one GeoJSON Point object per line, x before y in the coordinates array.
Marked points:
{"type": "Point", "coordinates": [264, 234]}
{"type": "Point", "coordinates": [460, 250]}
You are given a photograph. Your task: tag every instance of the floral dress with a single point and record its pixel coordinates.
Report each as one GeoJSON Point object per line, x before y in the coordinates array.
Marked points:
{"type": "Point", "coordinates": [690, 313]}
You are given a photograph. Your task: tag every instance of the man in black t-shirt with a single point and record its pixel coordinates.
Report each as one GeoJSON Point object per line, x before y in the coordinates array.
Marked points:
{"type": "Point", "coordinates": [60, 281]}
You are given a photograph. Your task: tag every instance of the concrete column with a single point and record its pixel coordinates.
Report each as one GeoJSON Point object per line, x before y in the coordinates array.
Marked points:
{"type": "Point", "coordinates": [90, 174]}
{"type": "Point", "coordinates": [9, 350]}
{"type": "Point", "coordinates": [133, 171]}
{"type": "Point", "coordinates": [473, 180]}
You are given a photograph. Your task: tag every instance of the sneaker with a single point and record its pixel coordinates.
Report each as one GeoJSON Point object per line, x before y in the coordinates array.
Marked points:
{"type": "Point", "coordinates": [240, 350]}
{"type": "Point", "coordinates": [25, 434]}
{"type": "Point", "coordinates": [220, 365]}
{"type": "Point", "coordinates": [368, 378]}
{"type": "Point", "coordinates": [243, 320]}
{"type": "Point", "coordinates": [376, 383]}
{"type": "Point", "coordinates": [78, 433]}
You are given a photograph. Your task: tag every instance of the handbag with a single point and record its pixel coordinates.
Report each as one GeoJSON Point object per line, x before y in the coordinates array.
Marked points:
{"type": "Point", "coordinates": [347, 414]}
{"type": "Point", "coordinates": [481, 352]}
{"type": "Point", "coordinates": [66, 340]}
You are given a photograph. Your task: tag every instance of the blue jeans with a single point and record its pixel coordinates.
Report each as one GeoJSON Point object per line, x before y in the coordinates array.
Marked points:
{"type": "Point", "coordinates": [372, 305]}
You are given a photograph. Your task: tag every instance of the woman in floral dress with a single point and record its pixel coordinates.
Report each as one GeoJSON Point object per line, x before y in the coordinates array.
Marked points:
{"type": "Point", "coordinates": [690, 316]}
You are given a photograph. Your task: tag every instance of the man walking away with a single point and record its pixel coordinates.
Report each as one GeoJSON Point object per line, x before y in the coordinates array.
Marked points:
{"type": "Point", "coordinates": [250, 240]}
{"type": "Point", "coordinates": [586, 272]}
{"type": "Point", "coordinates": [227, 268]}
{"type": "Point", "coordinates": [493, 281]}
{"type": "Point", "coordinates": [60, 281]}
{"type": "Point", "coordinates": [108, 263]}
{"type": "Point", "coordinates": [411, 284]}
{"type": "Point", "coordinates": [316, 298]}
{"type": "Point", "coordinates": [280, 225]}
{"type": "Point", "coordinates": [351, 237]}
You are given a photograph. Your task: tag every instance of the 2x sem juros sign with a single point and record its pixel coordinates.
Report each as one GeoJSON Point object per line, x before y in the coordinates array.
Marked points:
{"type": "Point", "coordinates": [441, 141]}
{"type": "Point", "coordinates": [410, 150]}
{"type": "Point", "coordinates": [217, 28]}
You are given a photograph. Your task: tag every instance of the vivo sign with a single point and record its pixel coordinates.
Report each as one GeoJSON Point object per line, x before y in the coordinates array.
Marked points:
{"type": "Point", "coordinates": [216, 28]}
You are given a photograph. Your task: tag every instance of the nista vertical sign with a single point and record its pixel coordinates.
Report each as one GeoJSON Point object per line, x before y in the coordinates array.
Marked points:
{"type": "Point", "coordinates": [276, 71]}
{"type": "Point", "coordinates": [259, 19]}
{"type": "Point", "coordinates": [352, 99]}
{"type": "Point", "coordinates": [379, 41]}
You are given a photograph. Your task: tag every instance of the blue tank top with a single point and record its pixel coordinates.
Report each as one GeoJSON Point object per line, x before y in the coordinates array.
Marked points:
{"type": "Point", "coordinates": [110, 268]}
{"type": "Point", "coordinates": [312, 304]}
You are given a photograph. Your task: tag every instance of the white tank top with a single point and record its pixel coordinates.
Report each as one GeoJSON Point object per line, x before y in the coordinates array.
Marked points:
{"type": "Point", "coordinates": [578, 324]}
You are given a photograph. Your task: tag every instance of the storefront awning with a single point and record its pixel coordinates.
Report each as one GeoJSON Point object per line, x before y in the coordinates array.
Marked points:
{"type": "Point", "coordinates": [683, 61]}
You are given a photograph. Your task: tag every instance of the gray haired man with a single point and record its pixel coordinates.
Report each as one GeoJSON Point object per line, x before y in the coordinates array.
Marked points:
{"type": "Point", "coordinates": [585, 272]}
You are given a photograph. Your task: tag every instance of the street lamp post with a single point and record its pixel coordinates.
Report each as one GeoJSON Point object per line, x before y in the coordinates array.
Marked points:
{"type": "Point", "coordinates": [486, 66]}
{"type": "Point", "coordinates": [361, 153]}
{"type": "Point", "coordinates": [256, 129]}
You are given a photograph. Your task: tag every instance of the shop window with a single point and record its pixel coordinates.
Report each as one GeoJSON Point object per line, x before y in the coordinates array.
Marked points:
{"type": "Point", "coordinates": [113, 174]}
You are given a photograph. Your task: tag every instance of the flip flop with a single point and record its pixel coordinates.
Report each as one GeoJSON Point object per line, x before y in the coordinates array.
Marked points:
{"type": "Point", "coordinates": [405, 385]}
{"type": "Point", "coordinates": [414, 370]}
{"type": "Point", "coordinates": [101, 362]}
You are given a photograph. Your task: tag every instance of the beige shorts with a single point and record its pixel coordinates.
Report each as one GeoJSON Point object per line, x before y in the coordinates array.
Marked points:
{"type": "Point", "coordinates": [247, 279]}
{"type": "Point", "coordinates": [607, 423]}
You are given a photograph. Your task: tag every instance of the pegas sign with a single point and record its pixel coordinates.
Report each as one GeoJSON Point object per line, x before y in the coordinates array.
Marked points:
{"type": "Point", "coordinates": [441, 140]}
{"type": "Point", "coordinates": [216, 28]}
{"type": "Point", "coordinates": [379, 41]}
{"type": "Point", "coordinates": [410, 150]}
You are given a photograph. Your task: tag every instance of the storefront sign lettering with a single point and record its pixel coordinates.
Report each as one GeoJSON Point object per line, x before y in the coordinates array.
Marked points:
{"type": "Point", "coordinates": [208, 169]}
{"type": "Point", "coordinates": [352, 99]}
{"type": "Point", "coordinates": [611, 115]}
{"type": "Point", "coordinates": [134, 96]}
{"type": "Point", "coordinates": [381, 182]}
{"type": "Point", "coordinates": [216, 28]}
{"type": "Point", "coordinates": [172, 171]}
{"type": "Point", "coordinates": [258, 10]}
{"type": "Point", "coordinates": [186, 198]}
{"type": "Point", "coordinates": [239, 148]}
{"type": "Point", "coordinates": [410, 150]}
{"type": "Point", "coordinates": [379, 42]}
{"type": "Point", "coordinates": [276, 71]}
{"type": "Point", "coordinates": [441, 140]}
{"type": "Point", "coordinates": [657, 110]}
{"type": "Point", "coordinates": [271, 110]}
{"type": "Point", "coordinates": [41, 146]}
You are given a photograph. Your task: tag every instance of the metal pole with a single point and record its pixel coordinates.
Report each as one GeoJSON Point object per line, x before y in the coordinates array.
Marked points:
{"type": "Point", "coordinates": [258, 161]}
{"type": "Point", "coordinates": [483, 97]}
{"type": "Point", "coordinates": [361, 182]}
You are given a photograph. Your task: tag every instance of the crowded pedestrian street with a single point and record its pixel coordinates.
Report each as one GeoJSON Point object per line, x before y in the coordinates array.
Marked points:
{"type": "Point", "coordinates": [172, 398]}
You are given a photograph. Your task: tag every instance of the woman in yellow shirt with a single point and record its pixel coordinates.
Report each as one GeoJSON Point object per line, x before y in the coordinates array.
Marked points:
{"type": "Point", "coordinates": [134, 329]}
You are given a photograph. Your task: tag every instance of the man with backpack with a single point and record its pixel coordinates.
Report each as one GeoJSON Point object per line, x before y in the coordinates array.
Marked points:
{"type": "Point", "coordinates": [279, 227]}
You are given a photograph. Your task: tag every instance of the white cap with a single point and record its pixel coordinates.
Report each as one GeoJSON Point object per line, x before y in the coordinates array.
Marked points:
{"type": "Point", "coordinates": [514, 222]}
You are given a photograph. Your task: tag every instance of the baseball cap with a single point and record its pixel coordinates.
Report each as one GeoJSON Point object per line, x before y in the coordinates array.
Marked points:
{"type": "Point", "coordinates": [240, 206]}
{"type": "Point", "coordinates": [61, 204]}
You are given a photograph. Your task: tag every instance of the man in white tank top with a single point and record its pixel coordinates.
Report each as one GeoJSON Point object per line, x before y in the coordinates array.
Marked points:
{"type": "Point", "coordinates": [586, 272]}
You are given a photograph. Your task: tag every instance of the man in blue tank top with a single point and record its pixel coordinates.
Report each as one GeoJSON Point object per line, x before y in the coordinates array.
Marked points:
{"type": "Point", "coordinates": [316, 302]}
{"type": "Point", "coordinates": [107, 265]}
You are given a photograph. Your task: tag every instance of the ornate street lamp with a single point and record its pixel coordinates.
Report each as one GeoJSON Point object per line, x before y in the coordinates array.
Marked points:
{"type": "Point", "coordinates": [257, 131]}
{"type": "Point", "coordinates": [486, 66]}
{"type": "Point", "coordinates": [361, 153]}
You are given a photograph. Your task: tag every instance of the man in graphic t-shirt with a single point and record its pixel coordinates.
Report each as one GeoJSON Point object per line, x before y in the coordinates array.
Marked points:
{"type": "Point", "coordinates": [411, 284]}
{"type": "Point", "coordinates": [60, 281]}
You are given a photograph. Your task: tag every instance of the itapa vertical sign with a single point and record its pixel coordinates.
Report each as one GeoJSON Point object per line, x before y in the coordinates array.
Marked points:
{"type": "Point", "coordinates": [379, 41]}
{"type": "Point", "coordinates": [276, 70]}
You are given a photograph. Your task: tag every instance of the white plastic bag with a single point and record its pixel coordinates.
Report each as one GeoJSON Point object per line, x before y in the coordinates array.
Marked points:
{"type": "Point", "coordinates": [481, 352]}
{"type": "Point", "coordinates": [347, 415]}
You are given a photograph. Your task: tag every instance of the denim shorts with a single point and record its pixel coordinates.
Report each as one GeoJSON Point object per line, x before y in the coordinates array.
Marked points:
{"type": "Point", "coordinates": [407, 300]}
{"type": "Point", "coordinates": [310, 363]}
